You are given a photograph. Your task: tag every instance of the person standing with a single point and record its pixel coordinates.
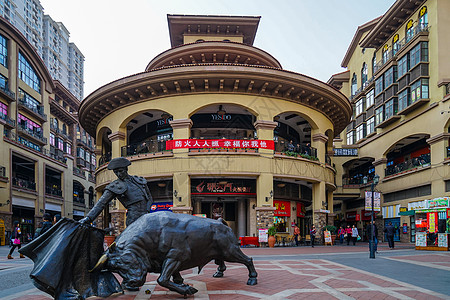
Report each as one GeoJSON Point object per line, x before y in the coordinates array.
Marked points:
{"type": "Point", "coordinates": [372, 229]}
{"type": "Point", "coordinates": [290, 146]}
{"type": "Point", "coordinates": [348, 234]}
{"type": "Point", "coordinates": [296, 234]}
{"type": "Point", "coordinates": [354, 234]}
{"type": "Point", "coordinates": [312, 234]}
{"type": "Point", "coordinates": [16, 240]}
{"type": "Point", "coordinates": [341, 234]}
{"type": "Point", "coordinates": [47, 224]}
{"type": "Point", "coordinates": [390, 231]}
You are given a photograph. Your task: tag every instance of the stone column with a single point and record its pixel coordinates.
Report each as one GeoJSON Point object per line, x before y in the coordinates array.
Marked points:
{"type": "Point", "coordinates": [181, 130]}
{"type": "Point", "coordinates": [118, 140]}
{"type": "Point", "coordinates": [438, 145]}
{"type": "Point", "coordinates": [264, 190]}
{"type": "Point", "coordinates": [331, 214]}
{"type": "Point", "coordinates": [318, 201]}
{"type": "Point", "coordinates": [319, 141]}
{"type": "Point", "coordinates": [182, 193]}
{"type": "Point", "coordinates": [264, 130]}
{"type": "Point", "coordinates": [380, 166]}
{"type": "Point", "coordinates": [242, 221]}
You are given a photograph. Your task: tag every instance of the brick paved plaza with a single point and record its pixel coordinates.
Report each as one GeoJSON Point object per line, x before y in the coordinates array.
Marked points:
{"type": "Point", "coordinates": [323, 272]}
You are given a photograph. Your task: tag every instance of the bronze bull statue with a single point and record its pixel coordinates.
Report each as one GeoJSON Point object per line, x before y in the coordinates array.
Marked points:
{"type": "Point", "coordinates": [168, 243]}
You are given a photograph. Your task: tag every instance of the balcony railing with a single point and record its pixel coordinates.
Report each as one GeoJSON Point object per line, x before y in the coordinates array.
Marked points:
{"type": "Point", "coordinates": [423, 160]}
{"type": "Point", "coordinates": [10, 122]}
{"type": "Point", "coordinates": [358, 179]}
{"type": "Point", "coordinates": [36, 135]}
{"type": "Point", "coordinates": [37, 110]}
{"type": "Point", "coordinates": [24, 184]}
{"type": "Point", "coordinates": [79, 172]}
{"type": "Point", "coordinates": [8, 92]}
{"type": "Point", "coordinates": [105, 158]}
{"type": "Point", "coordinates": [53, 191]}
{"type": "Point", "coordinates": [296, 150]}
{"type": "Point", "coordinates": [55, 155]}
{"type": "Point", "coordinates": [151, 146]}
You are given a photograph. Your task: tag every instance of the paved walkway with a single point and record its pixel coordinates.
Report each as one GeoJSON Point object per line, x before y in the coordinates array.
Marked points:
{"type": "Point", "coordinates": [323, 272]}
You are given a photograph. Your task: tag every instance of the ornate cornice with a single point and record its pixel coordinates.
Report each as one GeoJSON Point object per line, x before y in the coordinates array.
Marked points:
{"type": "Point", "coordinates": [320, 137]}
{"type": "Point", "coordinates": [261, 124]}
{"type": "Point", "coordinates": [181, 123]}
{"type": "Point", "coordinates": [379, 161]}
{"type": "Point", "coordinates": [118, 135]}
{"type": "Point", "coordinates": [437, 138]}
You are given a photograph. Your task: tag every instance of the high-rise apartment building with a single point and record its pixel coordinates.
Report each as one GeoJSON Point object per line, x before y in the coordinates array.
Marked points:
{"type": "Point", "coordinates": [63, 59]}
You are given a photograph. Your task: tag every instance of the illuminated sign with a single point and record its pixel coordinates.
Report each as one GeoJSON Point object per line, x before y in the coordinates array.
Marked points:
{"type": "Point", "coordinates": [222, 143]}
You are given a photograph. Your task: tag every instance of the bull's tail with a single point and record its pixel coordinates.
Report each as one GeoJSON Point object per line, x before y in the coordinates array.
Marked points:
{"type": "Point", "coordinates": [223, 221]}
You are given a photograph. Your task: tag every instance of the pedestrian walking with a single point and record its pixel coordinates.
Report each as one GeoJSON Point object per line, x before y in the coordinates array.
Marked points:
{"type": "Point", "coordinates": [312, 233]}
{"type": "Point", "coordinates": [373, 230]}
{"type": "Point", "coordinates": [296, 234]}
{"type": "Point", "coordinates": [47, 224]}
{"type": "Point", "coordinates": [15, 240]}
{"type": "Point", "coordinates": [56, 218]}
{"type": "Point", "coordinates": [354, 234]}
{"type": "Point", "coordinates": [348, 234]}
{"type": "Point", "coordinates": [390, 231]}
{"type": "Point", "coordinates": [341, 234]}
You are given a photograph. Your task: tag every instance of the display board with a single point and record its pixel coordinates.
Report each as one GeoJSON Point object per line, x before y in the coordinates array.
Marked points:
{"type": "Point", "coordinates": [327, 236]}
{"type": "Point", "coordinates": [263, 236]}
{"type": "Point", "coordinates": [421, 239]}
{"type": "Point", "coordinates": [442, 240]}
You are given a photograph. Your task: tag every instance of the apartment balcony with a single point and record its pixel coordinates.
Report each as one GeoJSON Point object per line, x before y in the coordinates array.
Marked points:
{"type": "Point", "coordinates": [81, 162]}
{"type": "Point", "coordinates": [7, 93]}
{"type": "Point", "coordinates": [7, 121]}
{"type": "Point", "coordinates": [152, 146]}
{"type": "Point", "coordinates": [37, 112]}
{"type": "Point", "coordinates": [23, 184]}
{"type": "Point", "coordinates": [423, 160]}
{"type": "Point", "coordinates": [53, 191]}
{"type": "Point", "coordinates": [34, 136]}
{"type": "Point", "coordinates": [79, 172]}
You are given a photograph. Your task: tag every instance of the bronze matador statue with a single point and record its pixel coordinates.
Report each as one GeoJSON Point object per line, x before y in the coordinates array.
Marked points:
{"type": "Point", "coordinates": [131, 191]}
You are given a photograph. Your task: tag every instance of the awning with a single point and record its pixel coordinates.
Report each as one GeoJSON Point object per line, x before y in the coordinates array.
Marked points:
{"type": "Point", "coordinates": [407, 213]}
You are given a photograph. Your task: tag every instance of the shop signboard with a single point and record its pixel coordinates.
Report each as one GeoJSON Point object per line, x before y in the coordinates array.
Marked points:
{"type": "Point", "coordinates": [352, 216]}
{"type": "Point", "coordinates": [345, 152]}
{"type": "Point", "coordinates": [418, 205]}
{"type": "Point", "coordinates": [442, 240]}
{"type": "Point", "coordinates": [223, 187]}
{"type": "Point", "coordinates": [282, 208]}
{"type": "Point", "coordinates": [222, 143]}
{"type": "Point", "coordinates": [263, 236]}
{"type": "Point", "coordinates": [301, 211]}
{"type": "Point", "coordinates": [161, 206]}
{"type": "Point", "coordinates": [432, 218]}
{"type": "Point", "coordinates": [421, 239]}
{"type": "Point", "coordinates": [376, 201]}
{"type": "Point", "coordinates": [438, 202]}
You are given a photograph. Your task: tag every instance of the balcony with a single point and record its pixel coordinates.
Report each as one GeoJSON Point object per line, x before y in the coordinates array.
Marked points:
{"type": "Point", "coordinates": [37, 112]}
{"type": "Point", "coordinates": [55, 154]}
{"type": "Point", "coordinates": [23, 184]}
{"type": "Point", "coordinates": [302, 151]}
{"type": "Point", "coordinates": [152, 146]}
{"type": "Point", "coordinates": [79, 172]}
{"type": "Point", "coordinates": [81, 162]}
{"type": "Point", "coordinates": [9, 95]}
{"type": "Point", "coordinates": [423, 160]}
{"type": "Point", "coordinates": [35, 136]}
{"type": "Point", "coordinates": [105, 158]}
{"type": "Point", "coordinates": [91, 177]}
{"type": "Point", "coordinates": [53, 191]}
{"type": "Point", "coordinates": [7, 121]}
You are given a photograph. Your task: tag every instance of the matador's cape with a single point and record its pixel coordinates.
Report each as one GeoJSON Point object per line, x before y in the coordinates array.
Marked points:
{"type": "Point", "coordinates": [62, 258]}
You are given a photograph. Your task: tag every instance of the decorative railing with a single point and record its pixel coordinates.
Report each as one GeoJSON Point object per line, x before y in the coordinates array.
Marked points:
{"type": "Point", "coordinates": [37, 136]}
{"type": "Point", "coordinates": [7, 120]}
{"type": "Point", "coordinates": [55, 156]}
{"type": "Point", "coordinates": [53, 191]}
{"type": "Point", "coordinates": [8, 92]}
{"type": "Point", "coordinates": [423, 160]}
{"type": "Point", "coordinates": [24, 184]}
{"type": "Point", "coordinates": [151, 146]}
{"type": "Point", "coordinates": [307, 152]}
{"type": "Point", "coordinates": [37, 110]}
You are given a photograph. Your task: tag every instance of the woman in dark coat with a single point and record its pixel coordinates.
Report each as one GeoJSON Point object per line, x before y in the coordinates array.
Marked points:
{"type": "Point", "coordinates": [16, 240]}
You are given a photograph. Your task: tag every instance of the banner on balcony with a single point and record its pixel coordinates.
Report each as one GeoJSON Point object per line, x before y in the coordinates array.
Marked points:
{"type": "Point", "coordinates": [222, 143]}
{"type": "Point", "coordinates": [376, 201]}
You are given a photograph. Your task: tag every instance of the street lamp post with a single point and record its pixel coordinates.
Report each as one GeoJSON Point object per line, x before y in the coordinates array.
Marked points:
{"type": "Point", "coordinates": [372, 231]}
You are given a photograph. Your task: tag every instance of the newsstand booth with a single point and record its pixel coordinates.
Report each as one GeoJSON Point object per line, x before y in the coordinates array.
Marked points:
{"type": "Point", "coordinates": [433, 225]}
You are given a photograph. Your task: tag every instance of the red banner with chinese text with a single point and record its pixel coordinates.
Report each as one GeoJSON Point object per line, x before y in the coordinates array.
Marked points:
{"type": "Point", "coordinates": [282, 208]}
{"type": "Point", "coordinates": [301, 212]}
{"type": "Point", "coordinates": [223, 143]}
{"type": "Point", "coordinates": [432, 218]}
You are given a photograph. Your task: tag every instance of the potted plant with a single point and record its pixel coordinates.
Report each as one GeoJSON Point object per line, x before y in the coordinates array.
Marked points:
{"type": "Point", "coordinates": [332, 229]}
{"type": "Point", "coordinates": [271, 232]}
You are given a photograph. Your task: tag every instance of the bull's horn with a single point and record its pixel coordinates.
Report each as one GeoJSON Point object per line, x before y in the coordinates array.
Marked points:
{"type": "Point", "coordinates": [100, 264]}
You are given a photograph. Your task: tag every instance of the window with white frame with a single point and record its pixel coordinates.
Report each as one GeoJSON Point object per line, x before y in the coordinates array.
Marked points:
{"type": "Point", "coordinates": [370, 125]}
{"type": "Point", "coordinates": [419, 90]}
{"type": "Point", "coordinates": [390, 108]}
{"type": "Point", "coordinates": [403, 99]}
{"type": "Point", "coordinates": [360, 106]}
{"type": "Point", "coordinates": [379, 85]}
{"type": "Point", "coordinates": [370, 98]}
{"type": "Point", "coordinates": [52, 139]}
{"type": "Point", "coordinates": [350, 137]}
{"type": "Point", "coordinates": [379, 115]}
{"type": "Point", "coordinates": [360, 132]}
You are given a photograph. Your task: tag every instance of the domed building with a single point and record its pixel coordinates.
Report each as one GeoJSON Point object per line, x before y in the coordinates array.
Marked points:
{"type": "Point", "coordinates": [219, 129]}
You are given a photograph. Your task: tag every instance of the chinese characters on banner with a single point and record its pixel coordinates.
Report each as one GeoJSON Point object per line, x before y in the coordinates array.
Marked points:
{"type": "Point", "coordinates": [226, 144]}
{"type": "Point", "coordinates": [376, 201]}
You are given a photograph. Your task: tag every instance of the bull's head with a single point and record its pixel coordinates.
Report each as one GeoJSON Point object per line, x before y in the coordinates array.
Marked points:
{"type": "Point", "coordinates": [126, 263]}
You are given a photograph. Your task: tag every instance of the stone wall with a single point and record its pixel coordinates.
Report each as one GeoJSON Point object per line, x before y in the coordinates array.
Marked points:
{"type": "Point", "coordinates": [118, 221]}
{"type": "Point", "coordinates": [264, 217]}
{"type": "Point", "coordinates": [320, 222]}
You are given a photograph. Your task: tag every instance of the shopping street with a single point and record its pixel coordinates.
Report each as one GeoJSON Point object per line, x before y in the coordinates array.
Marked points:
{"type": "Point", "coordinates": [323, 272]}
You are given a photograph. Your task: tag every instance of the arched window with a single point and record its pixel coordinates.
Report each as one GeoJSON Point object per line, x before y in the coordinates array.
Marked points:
{"type": "Point", "coordinates": [64, 128]}
{"type": "Point", "coordinates": [354, 84]}
{"type": "Point", "coordinates": [364, 72]}
{"type": "Point", "coordinates": [409, 30]}
{"type": "Point", "coordinates": [385, 53]}
{"type": "Point", "coordinates": [374, 63]}
{"type": "Point", "coordinates": [395, 44]}
{"type": "Point", "coordinates": [423, 18]}
{"type": "Point", "coordinates": [55, 123]}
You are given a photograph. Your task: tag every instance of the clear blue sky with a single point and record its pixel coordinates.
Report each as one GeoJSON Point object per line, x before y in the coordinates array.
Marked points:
{"type": "Point", "coordinates": [119, 38]}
